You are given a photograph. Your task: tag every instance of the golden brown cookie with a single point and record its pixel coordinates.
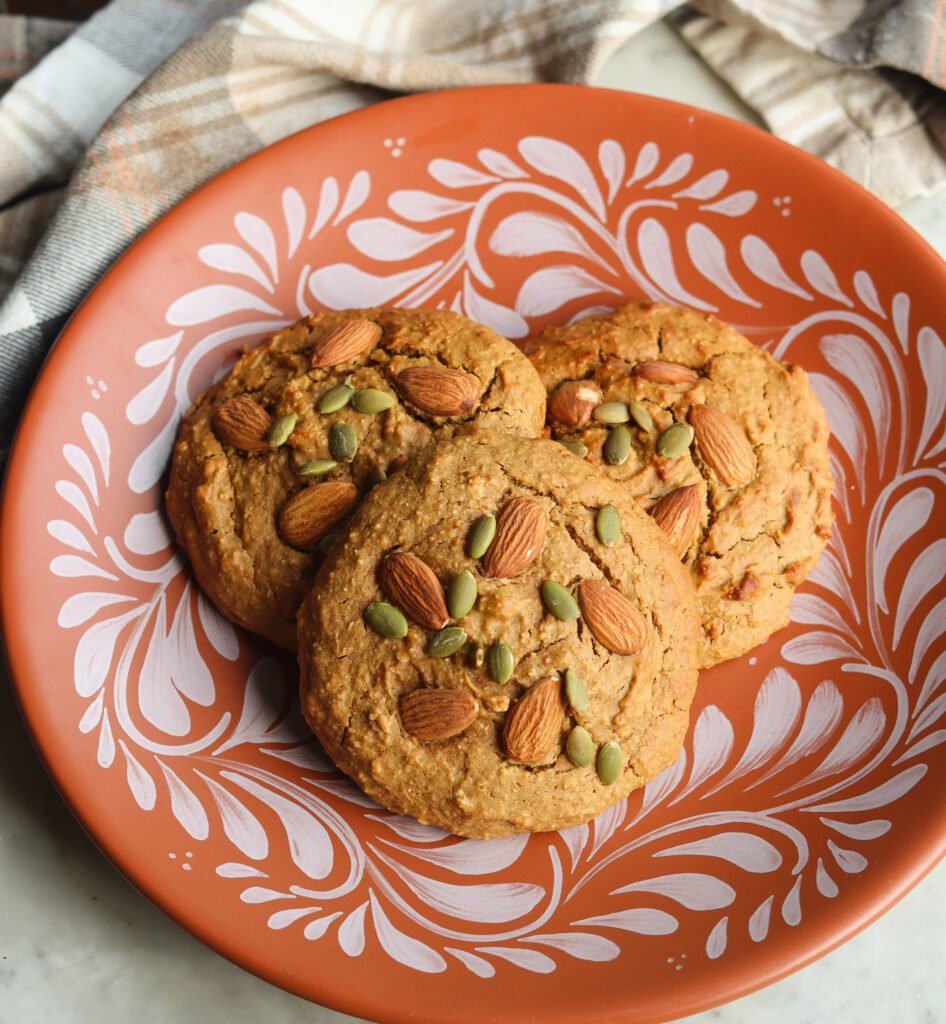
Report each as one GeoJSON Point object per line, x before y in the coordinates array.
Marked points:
{"type": "Point", "coordinates": [499, 677]}
{"type": "Point", "coordinates": [261, 477]}
{"type": "Point", "coordinates": [724, 445]}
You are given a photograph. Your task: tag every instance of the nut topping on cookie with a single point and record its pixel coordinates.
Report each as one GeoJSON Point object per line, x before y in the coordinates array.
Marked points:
{"type": "Point", "coordinates": [430, 714]}
{"type": "Point", "coordinates": [573, 402]}
{"type": "Point", "coordinates": [243, 424]}
{"type": "Point", "coordinates": [520, 534]}
{"type": "Point", "coordinates": [438, 390]}
{"type": "Point", "coordinates": [344, 342]}
{"type": "Point", "coordinates": [414, 586]}
{"type": "Point", "coordinates": [309, 514]}
{"type": "Point", "coordinates": [614, 622]}
{"type": "Point", "coordinates": [678, 515]}
{"type": "Point", "coordinates": [657, 371]}
{"type": "Point", "coordinates": [534, 722]}
{"type": "Point", "coordinates": [723, 445]}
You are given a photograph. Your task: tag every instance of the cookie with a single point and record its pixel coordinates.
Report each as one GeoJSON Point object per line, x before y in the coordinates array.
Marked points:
{"type": "Point", "coordinates": [474, 655]}
{"type": "Point", "coordinates": [726, 447]}
{"type": "Point", "coordinates": [273, 457]}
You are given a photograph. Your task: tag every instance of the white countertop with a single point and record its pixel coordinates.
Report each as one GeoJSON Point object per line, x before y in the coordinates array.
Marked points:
{"type": "Point", "coordinates": [78, 944]}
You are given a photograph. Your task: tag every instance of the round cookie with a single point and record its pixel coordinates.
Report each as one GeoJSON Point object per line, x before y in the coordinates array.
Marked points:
{"type": "Point", "coordinates": [477, 741]}
{"type": "Point", "coordinates": [253, 493]}
{"type": "Point", "coordinates": [741, 484]}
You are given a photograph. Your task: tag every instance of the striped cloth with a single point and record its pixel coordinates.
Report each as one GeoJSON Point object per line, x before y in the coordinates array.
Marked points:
{"type": "Point", "coordinates": [105, 126]}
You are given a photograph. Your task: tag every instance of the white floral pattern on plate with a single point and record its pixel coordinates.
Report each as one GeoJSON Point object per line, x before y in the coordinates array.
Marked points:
{"type": "Point", "coordinates": [146, 639]}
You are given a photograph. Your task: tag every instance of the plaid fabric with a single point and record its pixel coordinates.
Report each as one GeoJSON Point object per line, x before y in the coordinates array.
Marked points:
{"type": "Point", "coordinates": [151, 98]}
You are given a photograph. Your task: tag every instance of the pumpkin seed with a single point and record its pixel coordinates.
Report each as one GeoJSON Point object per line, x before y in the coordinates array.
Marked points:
{"type": "Point", "coordinates": [612, 412]}
{"type": "Point", "coordinates": [386, 620]}
{"type": "Point", "coordinates": [281, 429]}
{"type": "Point", "coordinates": [335, 398]}
{"type": "Point", "coordinates": [640, 415]}
{"type": "Point", "coordinates": [617, 446]}
{"type": "Point", "coordinates": [675, 440]}
{"type": "Point", "coordinates": [461, 595]}
{"type": "Point", "coordinates": [576, 693]}
{"type": "Point", "coordinates": [575, 447]}
{"type": "Point", "coordinates": [375, 476]}
{"type": "Point", "coordinates": [328, 540]}
{"type": "Point", "coordinates": [481, 536]}
{"type": "Point", "coordinates": [446, 642]}
{"type": "Point", "coordinates": [610, 763]}
{"type": "Point", "coordinates": [500, 661]}
{"type": "Point", "coordinates": [342, 442]}
{"type": "Point", "coordinates": [559, 601]}
{"type": "Point", "coordinates": [608, 525]}
{"type": "Point", "coordinates": [580, 747]}
{"type": "Point", "coordinates": [371, 400]}
{"type": "Point", "coordinates": [317, 467]}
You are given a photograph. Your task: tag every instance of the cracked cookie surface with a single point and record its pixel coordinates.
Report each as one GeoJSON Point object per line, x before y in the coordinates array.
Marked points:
{"type": "Point", "coordinates": [224, 503]}
{"type": "Point", "coordinates": [353, 681]}
{"type": "Point", "coordinates": [761, 518]}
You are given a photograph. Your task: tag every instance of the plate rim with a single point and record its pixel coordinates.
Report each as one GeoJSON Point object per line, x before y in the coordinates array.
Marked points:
{"type": "Point", "coordinates": [710, 995]}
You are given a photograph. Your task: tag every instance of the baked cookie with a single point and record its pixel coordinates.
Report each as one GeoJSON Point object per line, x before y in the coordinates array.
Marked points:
{"type": "Point", "coordinates": [726, 447]}
{"type": "Point", "coordinates": [475, 655]}
{"type": "Point", "coordinates": [273, 457]}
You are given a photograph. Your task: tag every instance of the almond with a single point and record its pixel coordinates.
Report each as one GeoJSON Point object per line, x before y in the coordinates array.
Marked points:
{"type": "Point", "coordinates": [243, 423]}
{"type": "Point", "coordinates": [345, 341]}
{"type": "Point", "coordinates": [520, 534]}
{"type": "Point", "coordinates": [534, 722]}
{"type": "Point", "coordinates": [748, 587]}
{"type": "Point", "coordinates": [614, 622]}
{"type": "Point", "coordinates": [678, 515]}
{"type": "Point", "coordinates": [723, 445]}
{"type": "Point", "coordinates": [414, 587]}
{"type": "Point", "coordinates": [657, 371]}
{"type": "Point", "coordinates": [438, 390]}
{"type": "Point", "coordinates": [572, 402]}
{"type": "Point", "coordinates": [430, 714]}
{"type": "Point", "coordinates": [309, 514]}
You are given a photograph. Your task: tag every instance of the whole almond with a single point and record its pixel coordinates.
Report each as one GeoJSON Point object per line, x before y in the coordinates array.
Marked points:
{"type": "Point", "coordinates": [414, 587]}
{"type": "Point", "coordinates": [520, 534]}
{"type": "Point", "coordinates": [572, 403]}
{"type": "Point", "coordinates": [343, 342]}
{"type": "Point", "coordinates": [723, 445]}
{"type": "Point", "coordinates": [678, 515]}
{"type": "Point", "coordinates": [309, 514]}
{"type": "Point", "coordinates": [656, 371]}
{"type": "Point", "coordinates": [438, 390]}
{"type": "Point", "coordinates": [431, 714]}
{"type": "Point", "coordinates": [614, 622]}
{"type": "Point", "coordinates": [534, 722]}
{"type": "Point", "coordinates": [243, 423]}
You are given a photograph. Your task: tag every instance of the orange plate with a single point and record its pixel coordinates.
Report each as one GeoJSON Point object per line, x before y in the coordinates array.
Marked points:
{"type": "Point", "coordinates": [810, 793]}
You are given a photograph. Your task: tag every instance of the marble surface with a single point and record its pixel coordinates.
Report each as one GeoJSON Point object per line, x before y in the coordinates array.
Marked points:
{"type": "Point", "coordinates": [79, 944]}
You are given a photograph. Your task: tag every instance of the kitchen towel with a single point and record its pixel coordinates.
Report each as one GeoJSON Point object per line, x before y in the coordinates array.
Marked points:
{"type": "Point", "coordinates": [105, 126]}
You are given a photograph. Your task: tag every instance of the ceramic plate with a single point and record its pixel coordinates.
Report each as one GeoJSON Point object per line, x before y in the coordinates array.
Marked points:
{"type": "Point", "coordinates": [809, 796]}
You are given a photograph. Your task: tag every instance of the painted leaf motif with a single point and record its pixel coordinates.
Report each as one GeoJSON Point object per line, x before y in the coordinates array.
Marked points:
{"type": "Point", "coordinates": [844, 421]}
{"type": "Point", "coordinates": [821, 277]}
{"type": "Point", "coordinates": [907, 517]}
{"type": "Point", "coordinates": [791, 905]}
{"type": "Point", "coordinates": [232, 259]}
{"type": "Point", "coordinates": [351, 932]}
{"type": "Point", "coordinates": [716, 940]}
{"type": "Point", "coordinates": [759, 257]}
{"type": "Point", "coordinates": [381, 238]}
{"type": "Point", "coordinates": [342, 285]}
{"type": "Point", "coordinates": [83, 467]}
{"type": "Point", "coordinates": [678, 168]}
{"type": "Point", "coordinates": [531, 234]}
{"type": "Point", "coordinates": [402, 948]}
{"type": "Point", "coordinates": [712, 745]}
{"type": "Point", "coordinates": [294, 215]}
{"type": "Point", "coordinates": [886, 793]}
{"type": "Point", "coordinates": [563, 162]}
{"type": "Point", "coordinates": [71, 566]}
{"type": "Point", "coordinates": [744, 849]}
{"type": "Point", "coordinates": [707, 187]}
{"type": "Point", "coordinates": [612, 164]}
{"type": "Point", "coordinates": [931, 352]}
{"type": "Point", "coordinates": [861, 830]}
{"type": "Point", "coordinates": [239, 825]}
{"type": "Point", "coordinates": [258, 716]}
{"type": "Point", "coordinates": [454, 174]}
{"type": "Point", "coordinates": [94, 653]}
{"type": "Point", "coordinates": [317, 928]}
{"type": "Point", "coordinates": [154, 353]}
{"type": "Point", "coordinates": [359, 189]}
{"type": "Point", "coordinates": [146, 533]}
{"type": "Point", "coordinates": [817, 646]}
{"type": "Point", "coordinates": [690, 889]}
{"type": "Point", "coordinates": [641, 920]}
{"type": "Point", "coordinates": [70, 493]}
{"type": "Point", "coordinates": [759, 921]}
{"type": "Point", "coordinates": [928, 571]}
{"type": "Point", "coordinates": [829, 574]}
{"type": "Point", "coordinates": [500, 164]}
{"type": "Point", "coordinates": [105, 754]}
{"type": "Point", "coordinates": [867, 292]}
{"type": "Point", "coordinates": [259, 236]}
{"type": "Point", "coordinates": [467, 856]}
{"type": "Point", "coordinates": [811, 610]}
{"type": "Point", "coordinates": [214, 301]}
{"type": "Point", "coordinates": [527, 959]}
{"type": "Point", "coordinates": [581, 945]}
{"type": "Point", "coordinates": [646, 162]}
{"type": "Point", "coordinates": [139, 781]}
{"type": "Point", "coordinates": [855, 359]}
{"type": "Point", "coordinates": [217, 629]}
{"type": "Point", "coordinates": [328, 203]}
{"type": "Point", "coordinates": [184, 804]}
{"type": "Point", "coordinates": [473, 963]}
{"type": "Point", "coordinates": [709, 257]}
{"type": "Point", "coordinates": [932, 628]}
{"type": "Point", "coordinates": [419, 206]}
{"type": "Point", "coordinates": [606, 824]}
{"type": "Point", "coordinates": [505, 321]}
{"type": "Point", "coordinates": [547, 289]}
{"type": "Point", "coordinates": [575, 839]}
{"type": "Point", "coordinates": [849, 861]}
{"type": "Point", "coordinates": [145, 405]}
{"type": "Point", "coordinates": [665, 783]}
{"type": "Point", "coordinates": [734, 205]}
{"type": "Point", "coordinates": [69, 535]}
{"type": "Point", "coordinates": [284, 918]}
{"type": "Point", "coordinates": [653, 243]}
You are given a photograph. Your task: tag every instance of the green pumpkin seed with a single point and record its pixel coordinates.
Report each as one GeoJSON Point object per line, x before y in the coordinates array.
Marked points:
{"type": "Point", "coordinates": [559, 601]}
{"type": "Point", "coordinates": [617, 446]}
{"type": "Point", "coordinates": [575, 447]}
{"type": "Point", "coordinates": [675, 440]}
{"type": "Point", "coordinates": [500, 661]}
{"type": "Point", "coordinates": [446, 642]}
{"type": "Point", "coordinates": [371, 400]}
{"type": "Point", "coordinates": [612, 412]}
{"type": "Point", "coordinates": [610, 763]}
{"type": "Point", "coordinates": [640, 415]}
{"type": "Point", "coordinates": [317, 467]}
{"type": "Point", "coordinates": [342, 442]}
{"type": "Point", "coordinates": [375, 476]}
{"type": "Point", "coordinates": [281, 429]}
{"type": "Point", "coordinates": [580, 747]}
{"type": "Point", "coordinates": [576, 693]}
{"type": "Point", "coordinates": [328, 540]}
{"type": "Point", "coordinates": [386, 620]}
{"type": "Point", "coordinates": [335, 398]}
{"type": "Point", "coordinates": [481, 536]}
{"type": "Point", "coordinates": [608, 525]}
{"type": "Point", "coordinates": [461, 595]}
